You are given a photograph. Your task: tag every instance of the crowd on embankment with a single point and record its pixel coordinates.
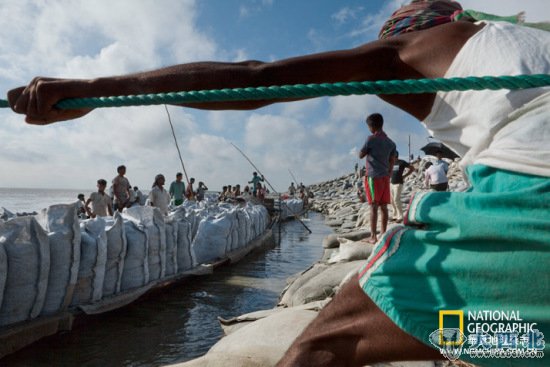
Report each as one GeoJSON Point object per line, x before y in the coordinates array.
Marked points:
{"type": "Point", "coordinates": [260, 339]}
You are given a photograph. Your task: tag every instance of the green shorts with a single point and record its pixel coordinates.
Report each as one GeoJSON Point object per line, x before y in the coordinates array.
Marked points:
{"type": "Point", "coordinates": [485, 250]}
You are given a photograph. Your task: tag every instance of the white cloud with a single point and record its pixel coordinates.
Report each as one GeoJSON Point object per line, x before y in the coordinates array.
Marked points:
{"type": "Point", "coordinates": [536, 10]}
{"type": "Point", "coordinates": [82, 39]}
{"type": "Point", "coordinates": [345, 14]}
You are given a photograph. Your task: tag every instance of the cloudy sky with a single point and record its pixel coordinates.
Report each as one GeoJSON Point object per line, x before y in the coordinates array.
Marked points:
{"type": "Point", "coordinates": [316, 139]}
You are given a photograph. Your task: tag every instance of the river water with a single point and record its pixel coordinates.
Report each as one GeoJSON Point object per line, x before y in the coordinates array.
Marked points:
{"type": "Point", "coordinates": [180, 323]}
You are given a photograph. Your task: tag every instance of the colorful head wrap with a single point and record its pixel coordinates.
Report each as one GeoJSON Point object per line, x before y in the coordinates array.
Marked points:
{"type": "Point", "coordinates": [418, 15]}
{"type": "Point", "coordinates": [424, 14]}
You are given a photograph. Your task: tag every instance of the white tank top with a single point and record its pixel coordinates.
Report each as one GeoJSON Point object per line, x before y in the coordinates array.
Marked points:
{"type": "Point", "coordinates": [504, 129]}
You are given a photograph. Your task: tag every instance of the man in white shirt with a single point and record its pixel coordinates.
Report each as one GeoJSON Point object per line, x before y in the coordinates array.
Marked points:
{"type": "Point", "coordinates": [435, 176]}
{"type": "Point", "coordinates": [101, 202]}
{"type": "Point", "coordinates": [159, 197]}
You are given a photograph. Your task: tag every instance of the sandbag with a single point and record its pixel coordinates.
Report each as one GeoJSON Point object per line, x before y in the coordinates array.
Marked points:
{"type": "Point", "coordinates": [291, 208]}
{"type": "Point", "coordinates": [61, 223]}
{"type": "Point", "coordinates": [322, 285]}
{"type": "Point", "coordinates": [116, 253]}
{"type": "Point", "coordinates": [298, 281]}
{"type": "Point", "coordinates": [184, 251]}
{"type": "Point", "coordinates": [136, 268]}
{"type": "Point", "coordinates": [233, 324]}
{"type": "Point", "coordinates": [152, 222]}
{"type": "Point", "coordinates": [25, 250]}
{"type": "Point", "coordinates": [93, 258]}
{"type": "Point", "coordinates": [236, 241]}
{"type": "Point", "coordinates": [259, 344]}
{"type": "Point", "coordinates": [350, 251]}
{"type": "Point", "coordinates": [243, 226]}
{"type": "Point", "coordinates": [182, 228]}
{"type": "Point", "coordinates": [331, 241]}
{"type": "Point", "coordinates": [171, 228]}
{"type": "Point", "coordinates": [211, 240]}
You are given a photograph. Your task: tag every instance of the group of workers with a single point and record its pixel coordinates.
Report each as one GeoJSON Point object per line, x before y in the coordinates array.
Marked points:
{"type": "Point", "coordinates": [122, 195]}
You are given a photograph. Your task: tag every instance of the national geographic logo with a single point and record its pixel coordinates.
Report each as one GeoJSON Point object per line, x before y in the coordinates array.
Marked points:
{"type": "Point", "coordinates": [491, 334]}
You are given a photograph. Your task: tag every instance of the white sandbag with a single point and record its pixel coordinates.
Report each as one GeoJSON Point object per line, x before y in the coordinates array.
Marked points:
{"type": "Point", "coordinates": [291, 207]}
{"type": "Point", "coordinates": [331, 241]}
{"type": "Point", "coordinates": [211, 240]}
{"type": "Point", "coordinates": [259, 344]}
{"type": "Point", "coordinates": [93, 258]}
{"type": "Point", "coordinates": [324, 284]}
{"type": "Point", "coordinates": [152, 222]}
{"type": "Point", "coordinates": [61, 223]}
{"type": "Point", "coordinates": [236, 242]}
{"type": "Point", "coordinates": [182, 227]}
{"type": "Point", "coordinates": [233, 237]}
{"type": "Point", "coordinates": [195, 216]}
{"type": "Point", "coordinates": [184, 251]}
{"type": "Point", "coordinates": [116, 253]}
{"type": "Point", "coordinates": [26, 267]}
{"type": "Point", "coordinates": [243, 220]}
{"type": "Point", "coordinates": [231, 325]}
{"type": "Point", "coordinates": [298, 281]}
{"type": "Point", "coordinates": [350, 251]}
{"type": "Point", "coordinates": [171, 228]}
{"type": "Point", "coordinates": [136, 267]}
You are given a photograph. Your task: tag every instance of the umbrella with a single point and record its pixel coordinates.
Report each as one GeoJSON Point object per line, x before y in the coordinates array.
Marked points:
{"type": "Point", "coordinates": [434, 147]}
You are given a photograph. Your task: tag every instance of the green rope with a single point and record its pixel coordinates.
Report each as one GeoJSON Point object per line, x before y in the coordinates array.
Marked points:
{"type": "Point", "coordinates": [410, 86]}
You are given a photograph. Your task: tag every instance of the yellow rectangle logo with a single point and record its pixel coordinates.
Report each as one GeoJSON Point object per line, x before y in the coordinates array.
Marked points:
{"type": "Point", "coordinates": [442, 314]}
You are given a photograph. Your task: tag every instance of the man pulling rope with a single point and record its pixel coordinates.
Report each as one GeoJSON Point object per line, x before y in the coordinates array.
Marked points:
{"type": "Point", "coordinates": [485, 249]}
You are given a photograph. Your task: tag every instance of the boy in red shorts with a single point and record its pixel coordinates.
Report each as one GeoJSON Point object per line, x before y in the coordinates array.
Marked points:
{"type": "Point", "coordinates": [380, 152]}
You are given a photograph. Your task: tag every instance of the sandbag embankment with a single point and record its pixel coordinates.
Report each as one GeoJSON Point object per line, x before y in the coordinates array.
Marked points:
{"type": "Point", "coordinates": [54, 260]}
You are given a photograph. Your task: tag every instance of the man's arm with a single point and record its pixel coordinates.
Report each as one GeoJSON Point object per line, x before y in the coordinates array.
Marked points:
{"type": "Point", "coordinates": [364, 149]}
{"type": "Point", "coordinates": [110, 206]}
{"type": "Point", "coordinates": [422, 54]}
{"type": "Point", "coordinates": [87, 208]}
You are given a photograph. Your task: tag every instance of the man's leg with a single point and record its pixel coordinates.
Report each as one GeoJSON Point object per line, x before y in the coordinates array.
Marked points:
{"type": "Point", "coordinates": [384, 218]}
{"type": "Point", "coordinates": [394, 197]}
{"type": "Point", "coordinates": [352, 331]}
{"type": "Point", "coordinates": [373, 222]}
